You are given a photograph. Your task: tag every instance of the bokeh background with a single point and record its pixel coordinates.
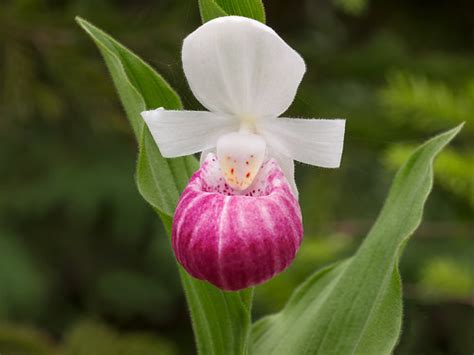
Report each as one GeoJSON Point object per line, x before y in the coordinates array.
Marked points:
{"type": "Point", "coordinates": [85, 267]}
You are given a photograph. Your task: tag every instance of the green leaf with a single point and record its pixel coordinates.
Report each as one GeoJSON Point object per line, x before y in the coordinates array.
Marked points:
{"type": "Point", "coordinates": [161, 181]}
{"type": "Point", "coordinates": [355, 307]}
{"type": "Point", "coordinates": [221, 320]}
{"type": "Point", "coordinates": [138, 85]}
{"type": "Point", "coordinates": [141, 88]}
{"type": "Point", "coordinates": [211, 9]}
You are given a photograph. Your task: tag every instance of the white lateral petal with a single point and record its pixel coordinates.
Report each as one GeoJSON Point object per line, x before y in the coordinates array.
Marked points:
{"type": "Point", "coordinates": [240, 66]}
{"type": "Point", "coordinates": [287, 165]}
{"type": "Point", "coordinates": [179, 133]}
{"type": "Point", "coordinates": [314, 141]}
{"type": "Point", "coordinates": [205, 153]}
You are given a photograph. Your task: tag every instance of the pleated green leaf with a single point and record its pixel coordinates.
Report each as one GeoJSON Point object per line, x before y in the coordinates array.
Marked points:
{"type": "Point", "coordinates": [211, 9]}
{"type": "Point", "coordinates": [221, 320]}
{"type": "Point", "coordinates": [355, 307]}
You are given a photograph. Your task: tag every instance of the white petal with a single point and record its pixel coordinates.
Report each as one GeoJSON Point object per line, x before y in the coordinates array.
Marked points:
{"type": "Point", "coordinates": [205, 153]}
{"type": "Point", "coordinates": [287, 165]}
{"type": "Point", "coordinates": [179, 133]}
{"type": "Point", "coordinates": [240, 66]}
{"type": "Point", "coordinates": [315, 141]}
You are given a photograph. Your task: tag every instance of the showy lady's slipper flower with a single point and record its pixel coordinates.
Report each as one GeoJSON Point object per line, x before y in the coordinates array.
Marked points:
{"type": "Point", "coordinates": [238, 222]}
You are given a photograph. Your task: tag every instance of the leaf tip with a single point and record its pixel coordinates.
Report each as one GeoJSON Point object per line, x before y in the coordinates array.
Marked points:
{"type": "Point", "coordinates": [459, 127]}
{"type": "Point", "coordinates": [453, 132]}
{"type": "Point", "coordinates": [79, 20]}
{"type": "Point", "coordinates": [86, 25]}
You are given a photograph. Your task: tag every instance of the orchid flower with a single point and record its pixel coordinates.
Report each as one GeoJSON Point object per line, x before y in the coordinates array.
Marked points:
{"type": "Point", "coordinates": [238, 222]}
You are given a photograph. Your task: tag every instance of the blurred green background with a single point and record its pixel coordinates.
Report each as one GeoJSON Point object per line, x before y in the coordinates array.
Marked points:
{"type": "Point", "coordinates": [85, 267]}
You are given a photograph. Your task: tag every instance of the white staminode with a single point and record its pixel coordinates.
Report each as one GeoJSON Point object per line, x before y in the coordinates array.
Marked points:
{"type": "Point", "coordinates": [246, 76]}
{"type": "Point", "coordinates": [240, 155]}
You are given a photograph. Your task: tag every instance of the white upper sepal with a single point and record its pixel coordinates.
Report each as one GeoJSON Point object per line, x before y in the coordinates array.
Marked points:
{"type": "Point", "coordinates": [239, 66]}
{"type": "Point", "coordinates": [179, 133]}
{"type": "Point", "coordinates": [316, 142]}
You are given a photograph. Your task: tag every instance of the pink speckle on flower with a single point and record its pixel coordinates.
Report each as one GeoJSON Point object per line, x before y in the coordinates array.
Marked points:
{"type": "Point", "coordinates": [236, 239]}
